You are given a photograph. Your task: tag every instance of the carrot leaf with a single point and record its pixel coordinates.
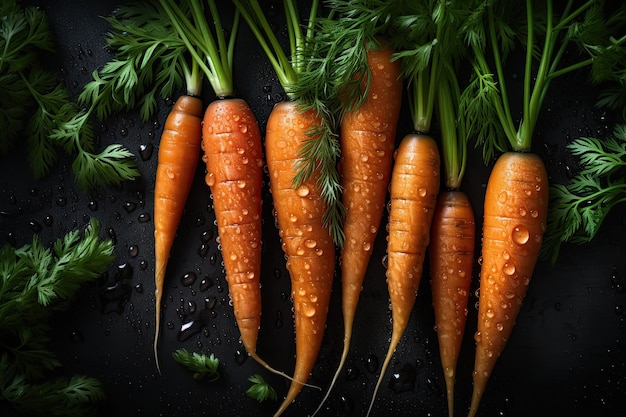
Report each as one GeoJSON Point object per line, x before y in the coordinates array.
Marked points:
{"type": "Point", "coordinates": [202, 366]}
{"type": "Point", "coordinates": [546, 33]}
{"type": "Point", "coordinates": [579, 208]}
{"type": "Point", "coordinates": [260, 390]}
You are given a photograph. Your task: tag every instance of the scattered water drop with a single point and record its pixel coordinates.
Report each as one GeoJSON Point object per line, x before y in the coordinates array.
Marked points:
{"type": "Point", "coordinates": [520, 235]}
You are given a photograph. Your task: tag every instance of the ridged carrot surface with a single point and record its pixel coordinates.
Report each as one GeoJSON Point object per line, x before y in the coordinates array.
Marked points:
{"type": "Point", "coordinates": [178, 159]}
{"type": "Point", "coordinates": [306, 242]}
{"type": "Point", "coordinates": [233, 154]}
{"type": "Point", "coordinates": [516, 205]}
{"type": "Point", "coordinates": [451, 261]}
{"type": "Point", "coordinates": [415, 182]}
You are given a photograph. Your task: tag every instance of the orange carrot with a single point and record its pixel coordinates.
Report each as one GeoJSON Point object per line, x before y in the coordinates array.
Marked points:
{"type": "Point", "coordinates": [367, 137]}
{"type": "Point", "coordinates": [451, 256]}
{"type": "Point", "coordinates": [515, 211]}
{"type": "Point", "coordinates": [306, 242]}
{"type": "Point", "coordinates": [233, 153]}
{"type": "Point", "coordinates": [415, 181]}
{"type": "Point", "coordinates": [178, 158]}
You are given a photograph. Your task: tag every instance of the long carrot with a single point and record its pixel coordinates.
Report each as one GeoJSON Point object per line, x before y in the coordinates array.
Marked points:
{"type": "Point", "coordinates": [516, 206]}
{"type": "Point", "coordinates": [308, 246]}
{"type": "Point", "coordinates": [414, 189]}
{"type": "Point", "coordinates": [233, 153]}
{"type": "Point", "coordinates": [516, 198]}
{"type": "Point", "coordinates": [178, 158]}
{"type": "Point", "coordinates": [367, 136]}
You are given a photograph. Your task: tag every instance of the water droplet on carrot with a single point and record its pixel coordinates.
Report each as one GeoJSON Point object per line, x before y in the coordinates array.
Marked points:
{"type": "Point", "coordinates": [502, 197]}
{"type": "Point", "coordinates": [509, 268]}
{"type": "Point", "coordinates": [520, 235]}
{"type": "Point", "coordinates": [499, 327]}
{"type": "Point", "coordinates": [310, 243]}
{"type": "Point", "coordinates": [308, 310]}
{"type": "Point", "coordinates": [303, 191]}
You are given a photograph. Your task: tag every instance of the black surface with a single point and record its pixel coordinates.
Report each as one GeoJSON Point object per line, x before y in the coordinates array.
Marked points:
{"type": "Point", "coordinates": [567, 355]}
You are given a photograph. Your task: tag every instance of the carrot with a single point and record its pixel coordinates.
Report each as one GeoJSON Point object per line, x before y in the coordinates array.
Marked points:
{"type": "Point", "coordinates": [516, 198]}
{"type": "Point", "coordinates": [178, 158]}
{"type": "Point", "coordinates": [414, 189]}
{"type": "Point", "coordinates": [451, 260]}
{"type": "Point", "coordinates": [233, 153]}
{"type": "Point", "coordinates": [451, 253]}
{"type": "Point", "coordinates": [367, 137]}
{"type": "Point", "coordinates": [308, 246]}
{"type": "Point", "coordinates": [515, 212]}
{"type": "Point", "coordinates": [301, 156]}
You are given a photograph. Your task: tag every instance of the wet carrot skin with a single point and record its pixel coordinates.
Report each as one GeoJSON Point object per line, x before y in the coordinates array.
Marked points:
{"type": "Point", "coordinates": [451, 256]}
{"type": "Point", "coordinates": [516, 203]}
{"type": "Point", "coordinates": [233, 154]}
{"type": "Point", "coordinates": [414, 189]}
{"type": "Point", "coordinates": [178, 158]}
{"type": "Point", "coordinates": [367, 136]}
{"type": "Point", "coordinates": [307, 244]}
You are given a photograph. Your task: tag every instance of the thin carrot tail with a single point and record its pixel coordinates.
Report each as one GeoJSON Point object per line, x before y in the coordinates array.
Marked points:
{"type": "Point", "coordinates": [449, 378]}
{"type": "Point", "coordinates": [158, 293]}
{"type": "Point", "coordinates": [342, 361]}
{"type": "Point", "coordinates": [267, 366]}
{"type": "Point", "coordinates": [476, 397]}
{"type": "Point", "coordinates": [395, 339]}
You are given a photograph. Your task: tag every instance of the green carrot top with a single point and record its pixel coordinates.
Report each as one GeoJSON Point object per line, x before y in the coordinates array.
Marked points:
{"type": "Point", "coordinates": [546, 33]}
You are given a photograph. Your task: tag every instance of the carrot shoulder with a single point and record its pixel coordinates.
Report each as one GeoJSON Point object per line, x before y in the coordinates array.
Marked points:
{"type": "Point", "coordinates": [451, 260]}
{"type": "Point", "coordinates": [306, 242]}
{"type": "Point", "coordinates": [515, 211]}
{"type": "Point", "coordinates": [233, 155]}
{"type": "Point", "coordinates": [178, 158]}
{"type": "Point", "coordinates": [415, 181]}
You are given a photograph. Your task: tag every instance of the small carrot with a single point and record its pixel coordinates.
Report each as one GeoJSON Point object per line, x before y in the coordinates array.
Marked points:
{"type": "Point", "coordinates": [308, 246]}
{"type": "Point", "coordinates": [178, 158]}
{"type": "Point", "coordinates": [367, 135]}
{"type": "Point", "coordinates": [414, 189]}
{"type": "Point", "coordinates": [451, 260]}
{"type": "Point", "coordinates": [233, 153]}
{"type": "Point", "coordinates": [453, 234]}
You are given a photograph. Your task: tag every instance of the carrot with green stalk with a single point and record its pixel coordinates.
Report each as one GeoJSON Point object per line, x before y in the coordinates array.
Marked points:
{"type": "Point", "coordinates": [301, 155]}
{"type": "Point", "coordinates": [516, 198]}
{"type": "Point", "coordinates": [231, 141]}
{"type": "Point", "coordinates": [356, 74]}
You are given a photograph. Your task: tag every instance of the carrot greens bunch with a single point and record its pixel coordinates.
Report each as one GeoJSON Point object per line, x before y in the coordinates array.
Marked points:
{"type": "Point", "coordinates": [39, 107]}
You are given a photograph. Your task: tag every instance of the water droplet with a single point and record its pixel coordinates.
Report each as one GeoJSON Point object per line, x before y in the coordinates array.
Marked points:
{"type": "Point", "coordinates": [188, 279]}
{"type": "Point", "coordinates": [421, 192]}
{"type": "Point", "coordinates": [520, 235]}
{"type": "Point", "coordinates": [509, 268]}
{"type": "Point", "coordinates": [145, 151]}
{"type": "Point", "coordinates": [303, 191]}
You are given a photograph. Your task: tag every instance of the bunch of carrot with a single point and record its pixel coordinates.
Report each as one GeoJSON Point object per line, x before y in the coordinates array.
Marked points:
{"type": "Point", "coordinates": [351, 121]}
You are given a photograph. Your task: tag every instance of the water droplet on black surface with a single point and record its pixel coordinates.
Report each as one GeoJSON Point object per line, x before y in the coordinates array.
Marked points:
{"type": "Point", "coordinates": [92, 205]}
{"type": "Point", "coordinates": [114, 297]}
{"type": "Point", "coordinates": [404, 380]}
{"type": "Point", "coordinates": [144, 218]}
{"type": "Point", "coordinates": [129, 206]}
{"type": "Point", "coordinates": [35, 226]}
{"type": "Point", "coordinates": [210, 302]}
{"type": "Point", "coordinates": [145, 151]}
{"type": "Point", "coordinates": [203, 249]}
{"type": "Point", "coordinates": [143, 265]}
{"type": "Point", "coordinates": [77, 336]}
{"type": "Point", "coordinates": [112, 235]}
{"type": "Point", "coordinates": [206, 236]}
{"type": "Point", "coordinates": [206, 283]}
{"type": "Point", "coordinates": [188, 279]}
{"type": "Point", "coordinates": [133, 251]}
{"type": "Point", "coordinates": [240, 356]}
{"type": "Point", "coordinates": [371, 363]}
{"type": "Point", "coordinates": [124, 272]}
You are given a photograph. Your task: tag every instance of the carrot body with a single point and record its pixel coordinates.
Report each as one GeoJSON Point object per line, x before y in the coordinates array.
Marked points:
{"type": "Point", "coordinates": [233, 154]}
{"type": "Point", "coordinates": [516, 205]}
{"type": "Point", "coordinates": [415, 181]}
{"type": "Point", "coordinates": [307, 244]}
{"type": "Point", "coordinates": [178, 158]}
{"type": "Point", "coordinates": [367, 137]}
{"type": "Point", "coordinates": [451, 256]}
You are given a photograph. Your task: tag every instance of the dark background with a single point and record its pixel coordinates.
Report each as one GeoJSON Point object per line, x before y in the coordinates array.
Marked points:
{"type": "Point", "coordinates": [567, 354]}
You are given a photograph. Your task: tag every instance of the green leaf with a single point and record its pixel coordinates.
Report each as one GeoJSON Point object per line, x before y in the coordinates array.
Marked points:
{"type": "Point", "coordinates": [202, 366]}
{"type": "Point", "coordinates": [260, 390]}
{"type": "Point", "coordinates": [110, 167]}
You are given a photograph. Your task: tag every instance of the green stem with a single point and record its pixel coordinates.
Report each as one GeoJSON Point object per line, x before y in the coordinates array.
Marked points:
{"type": "Point", "coordinates": [452, 148]}
{"type": "Point", "coordinates": [503, 108]}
